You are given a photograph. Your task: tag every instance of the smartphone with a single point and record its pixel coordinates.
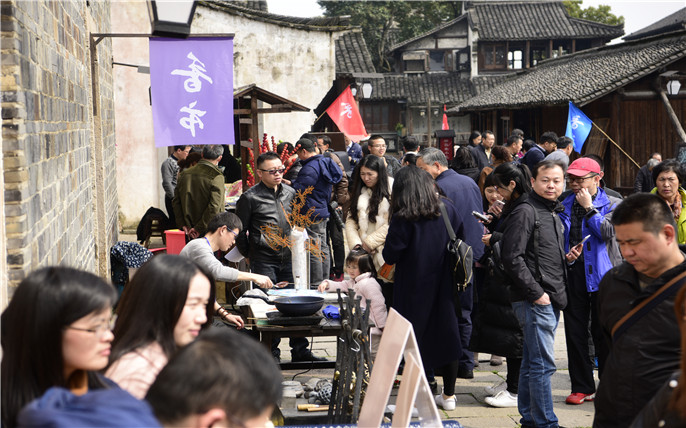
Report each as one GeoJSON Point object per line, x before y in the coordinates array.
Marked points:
{"type": "Point", "coordinates": [499, 202]}
{"type": "Point", "coordinates": [481, 216]}
{"type": "Point", "coordinates": [584, 240]}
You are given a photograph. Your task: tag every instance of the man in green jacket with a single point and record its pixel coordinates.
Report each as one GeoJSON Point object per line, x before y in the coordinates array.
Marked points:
{"type": "Point", "coordinates": [199, 193]}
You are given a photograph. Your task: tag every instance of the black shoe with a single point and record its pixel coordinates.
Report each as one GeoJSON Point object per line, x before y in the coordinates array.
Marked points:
{"type": "Point", "coordinates": [434, 387]}
{"type": "Point", "coordinates": [308, 356]}
{"type": "Point", "coordinates": [465, 373]}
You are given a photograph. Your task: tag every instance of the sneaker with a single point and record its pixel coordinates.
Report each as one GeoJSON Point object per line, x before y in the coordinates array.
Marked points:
{"type": "Point", "coordinates": [464, 373]}
{"type": "Point", "coordinates": [446, 403]}
{"type": "Point", "coordinates": [496, 388]}
{"type": "Point", "coordinates": [307, 356]}
{"type": "Point", "coordinates": [578, 398]}
{"type": "Point", "coordinates": [502, 399]}
{"type": "Point", "coordinates": [496, 360]}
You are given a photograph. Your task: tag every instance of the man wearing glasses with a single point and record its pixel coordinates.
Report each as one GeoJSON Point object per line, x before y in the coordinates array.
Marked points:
{"type": "Point", "coordinates": [221, 235]}
{"type": "Point", "coordinates": [266, 203]}
{"type": "Point", "coordinates": [377, 147]}
{"type": "Point", "coordinates": [587, 212]}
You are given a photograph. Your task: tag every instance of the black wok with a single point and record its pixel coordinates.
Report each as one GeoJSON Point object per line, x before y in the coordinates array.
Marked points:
{"type": "Point", "coordinates": [295, 306]}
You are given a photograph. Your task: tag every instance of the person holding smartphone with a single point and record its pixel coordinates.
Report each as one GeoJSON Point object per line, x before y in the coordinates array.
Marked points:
{"type": "Point", "coordinates": [586, 218]}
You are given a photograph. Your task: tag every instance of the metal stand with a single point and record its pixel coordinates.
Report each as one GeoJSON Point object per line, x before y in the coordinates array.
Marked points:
{"type": "Point", "coordinates": [353, 362]}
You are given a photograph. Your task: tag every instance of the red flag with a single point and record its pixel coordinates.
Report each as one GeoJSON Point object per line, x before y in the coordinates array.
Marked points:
{"type": "Point", "coordinates": [445, 120]}
{"type": "Point", "coordinates": [346, 116]}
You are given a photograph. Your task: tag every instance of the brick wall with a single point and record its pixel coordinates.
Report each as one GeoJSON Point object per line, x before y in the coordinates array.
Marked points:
{"type": "Point", "coordinates": [59, 156]}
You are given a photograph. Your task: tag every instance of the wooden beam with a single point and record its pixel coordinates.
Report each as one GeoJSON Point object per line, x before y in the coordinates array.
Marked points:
{"type": "Point", "coordinates": [672, 116]}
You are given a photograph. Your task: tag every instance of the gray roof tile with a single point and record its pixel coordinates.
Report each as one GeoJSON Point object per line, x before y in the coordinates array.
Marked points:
{"type": "Point", "coordinates": [581, 77]}
{"type": "Point", "coordinates": [673, 22]}
{"type": "Point", "coordinates": [520, 20]}
{"type": "Point", "coordinates": [352, 55]}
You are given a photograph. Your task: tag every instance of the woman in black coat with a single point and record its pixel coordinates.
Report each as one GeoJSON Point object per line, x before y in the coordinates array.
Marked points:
{"type": "Point", "coordinates": [423, 290]}
{"type": "Point", "coordinates": [496, 329]}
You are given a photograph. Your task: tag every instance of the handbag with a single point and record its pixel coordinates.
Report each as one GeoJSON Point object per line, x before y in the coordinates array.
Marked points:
{"type": "Point", "coordinates": [460, 256]}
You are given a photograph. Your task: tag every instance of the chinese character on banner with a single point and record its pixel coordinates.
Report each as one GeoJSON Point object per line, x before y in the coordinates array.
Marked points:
{"type": "Point", "coordinates": [192, 90]}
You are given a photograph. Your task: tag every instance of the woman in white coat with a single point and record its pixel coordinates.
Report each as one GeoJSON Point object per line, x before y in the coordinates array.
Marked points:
{"type": "Point", "coordinates": [367, 221]}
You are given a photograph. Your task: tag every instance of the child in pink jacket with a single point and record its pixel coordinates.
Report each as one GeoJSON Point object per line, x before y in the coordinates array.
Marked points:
{"type": "Point", "coordinates": [360, 267]}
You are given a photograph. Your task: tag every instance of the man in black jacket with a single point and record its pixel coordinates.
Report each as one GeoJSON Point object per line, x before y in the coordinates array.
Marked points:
{"type": "Point", "coordinates": [645, 348]}
{"type": "Point", "coordinates": [265, 203]}
{"type": "Point", "coordinates": [533, 256]}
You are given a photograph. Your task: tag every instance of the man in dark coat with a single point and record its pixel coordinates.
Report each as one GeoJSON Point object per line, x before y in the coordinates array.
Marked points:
{"type": "Point", "coordinates": [644, 179]}
{"type": "Point", "coordinates": [534, 258]}
{"type": "Point", "coordinates": [645, 349]}
{"type": "Point", "coordinates": [320, 173]}
{"type": "Point", "coordinates": [547, 144]}
{"type": "Point", "coordinates": [464, 192]}
{"type": "Point", "coordinates": [482, 152]}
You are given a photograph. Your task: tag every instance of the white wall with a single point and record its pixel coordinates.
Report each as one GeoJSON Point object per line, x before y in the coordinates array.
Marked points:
{"type": "Point", "coordinates": [295, 64]}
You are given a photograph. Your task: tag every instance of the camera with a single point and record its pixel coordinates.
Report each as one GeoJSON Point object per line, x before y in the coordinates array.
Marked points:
{"type": "Point", "coordinates": [336, 215]}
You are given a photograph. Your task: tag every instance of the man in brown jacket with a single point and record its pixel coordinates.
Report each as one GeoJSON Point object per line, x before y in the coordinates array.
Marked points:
{"type": "Point", "coordinates": [199, 193]}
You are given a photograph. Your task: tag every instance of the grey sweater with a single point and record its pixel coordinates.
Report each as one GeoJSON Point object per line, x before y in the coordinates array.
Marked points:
{"type": "Point", "coordinates": [199, 251]}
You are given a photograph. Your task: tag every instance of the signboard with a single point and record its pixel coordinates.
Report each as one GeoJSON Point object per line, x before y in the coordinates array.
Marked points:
{"type": "Point", "coordinates": [192, 90]}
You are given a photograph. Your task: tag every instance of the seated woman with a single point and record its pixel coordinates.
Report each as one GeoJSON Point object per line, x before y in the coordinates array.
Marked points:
{"type": "Point", "coordinates": [164, 307]}
{"type": "Point", "coordinates": [56, 332]}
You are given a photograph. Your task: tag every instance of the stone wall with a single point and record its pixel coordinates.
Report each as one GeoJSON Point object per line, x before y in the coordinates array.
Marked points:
{"type": "Point", "coordinates": [59, 164]}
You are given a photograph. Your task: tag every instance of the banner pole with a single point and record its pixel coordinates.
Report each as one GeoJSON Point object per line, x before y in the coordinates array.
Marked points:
{"type": "Point", "coordinates": [617, 145]}
{"type": "Point", "coordinates": [320, 116]}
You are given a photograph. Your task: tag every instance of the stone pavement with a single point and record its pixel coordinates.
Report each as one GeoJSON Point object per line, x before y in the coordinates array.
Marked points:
{"type": "Point", "coordinates": [471, 411]}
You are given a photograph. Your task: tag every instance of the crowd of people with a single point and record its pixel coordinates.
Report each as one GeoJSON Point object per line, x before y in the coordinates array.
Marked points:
{"type": "Point", "coordinates": [547, 236]}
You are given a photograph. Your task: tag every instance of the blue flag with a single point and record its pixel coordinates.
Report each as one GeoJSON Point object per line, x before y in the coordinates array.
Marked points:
{"type": "Point", "coordinates": [578, 127]}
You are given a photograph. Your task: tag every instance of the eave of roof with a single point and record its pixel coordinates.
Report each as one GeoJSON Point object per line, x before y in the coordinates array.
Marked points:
{"type": "Point", "coordinates": [581, 77]}
{"type": "Point", "coordinates": [428, 33]}
{"type": "Point", "coordinates": [674, 22]}
{"type": "Point", "coordinates": [310, 24]}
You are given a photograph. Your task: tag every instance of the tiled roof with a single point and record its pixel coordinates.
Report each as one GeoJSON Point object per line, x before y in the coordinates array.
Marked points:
{"type": "Point", "coordinates": [581, 77]}
{"type": "Point", "coordinates": [352, 55]}
{"type": "Point", "coordinates": [439, 88]}
{"type": "Point", "coordinates": [527, 20]}
{"type": "Point", "coordinates": [313, 24]}
{"type": "Point", "coordinates": [428, 33]}
{"type": "Point", "coordinates": [673, 22]}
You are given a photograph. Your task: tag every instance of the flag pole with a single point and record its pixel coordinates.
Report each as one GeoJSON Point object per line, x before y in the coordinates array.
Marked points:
{"type": "Point", "coordinates": [617, 145]}
{"type": "Point", "coordinates": [320, 116]}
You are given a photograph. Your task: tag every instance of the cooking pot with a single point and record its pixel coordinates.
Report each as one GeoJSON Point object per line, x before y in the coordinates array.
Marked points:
{"type": "Point", "coordinates": [294, 306]}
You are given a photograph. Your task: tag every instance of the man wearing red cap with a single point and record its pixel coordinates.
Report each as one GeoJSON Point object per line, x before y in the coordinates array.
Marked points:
{"type": "Point", "coordinates": [587, 213]}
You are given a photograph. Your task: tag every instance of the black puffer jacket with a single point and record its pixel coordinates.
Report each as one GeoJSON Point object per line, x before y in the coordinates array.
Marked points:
{"type": "Point", "coordinates": [644, 356]}
{"type": "Point", "coordinates": [260, 206]}
{"type": "Point", "coordinates": [496, 329]}
{"type": "Point", "coordinates": [519, 258]}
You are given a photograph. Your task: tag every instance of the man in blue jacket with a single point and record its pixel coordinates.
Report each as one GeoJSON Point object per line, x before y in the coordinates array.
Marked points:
{"type": "Point", "coordinates": [320, 173]}
{"type": "Point", "coordinates": [587, 212]}
{"type": "Point", "coordinates": [464, 192]}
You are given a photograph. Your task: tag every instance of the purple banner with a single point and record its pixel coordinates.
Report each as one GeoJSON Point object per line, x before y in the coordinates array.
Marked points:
{"type": "Point", "coordinates": [192, 90]}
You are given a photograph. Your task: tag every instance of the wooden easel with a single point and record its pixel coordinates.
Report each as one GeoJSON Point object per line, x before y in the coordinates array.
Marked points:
{"type": "Point", "coordinates": [398, 340]}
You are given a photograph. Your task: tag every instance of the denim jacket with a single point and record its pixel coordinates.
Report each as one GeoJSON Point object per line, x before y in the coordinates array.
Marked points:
{"type": "Point", "coordinates": [601, 251]}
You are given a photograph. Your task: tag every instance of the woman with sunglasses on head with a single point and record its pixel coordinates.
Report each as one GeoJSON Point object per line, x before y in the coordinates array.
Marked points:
{"type": "Point", "coordinates": [164, 307]}
{"type": "Point", "coordinates": [56, 332]}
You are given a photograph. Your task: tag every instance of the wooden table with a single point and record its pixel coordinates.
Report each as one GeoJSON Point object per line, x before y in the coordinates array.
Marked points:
{"type": "Point", "coordinates": [326, 327]}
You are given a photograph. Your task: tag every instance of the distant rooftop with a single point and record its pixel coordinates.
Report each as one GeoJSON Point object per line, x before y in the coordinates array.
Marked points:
{"type": "Point", "coordinates": [673, 22]}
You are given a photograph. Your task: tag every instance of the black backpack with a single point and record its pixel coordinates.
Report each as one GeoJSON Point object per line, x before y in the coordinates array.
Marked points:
{"type": "Point", "coordinates": [461, 256]}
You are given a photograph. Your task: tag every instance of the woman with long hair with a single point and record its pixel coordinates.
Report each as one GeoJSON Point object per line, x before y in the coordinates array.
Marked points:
{"type": "Point", "coordinates": [367, 221]}
{"type": "Point", "coordinates": [56, 332]}
{"type": "Point", "coordinates": [423, 290]}
{"type": "Point", "coordinates": [464, 163]}
{"type": "Point", "coordinates": [501, 155]}
{"type": "Point", "coordinates": [497, 330]}
{"type": "Point", "coordinates": [164, 307]}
